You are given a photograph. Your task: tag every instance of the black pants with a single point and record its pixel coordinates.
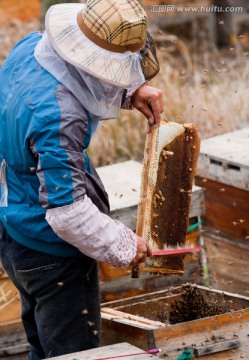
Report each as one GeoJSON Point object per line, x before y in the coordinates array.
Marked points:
{"type": "Point", "coordinates": [59, 296]}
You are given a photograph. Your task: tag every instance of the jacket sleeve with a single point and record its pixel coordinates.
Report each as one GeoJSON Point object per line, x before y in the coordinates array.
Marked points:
{"type": "Point", "coordinates": [72, 215]}
{"type": "Point", "coordinates": [94, 233]}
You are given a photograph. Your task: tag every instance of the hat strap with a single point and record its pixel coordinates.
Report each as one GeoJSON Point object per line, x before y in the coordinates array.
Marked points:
{"type": "Point", "coordinates": [105, 44]}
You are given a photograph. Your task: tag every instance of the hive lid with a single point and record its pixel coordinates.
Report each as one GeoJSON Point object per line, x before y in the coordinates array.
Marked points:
{"type": "Point", "coordinates": [232, 147]}
{"type": "Point", "coordinates": [225, 158]}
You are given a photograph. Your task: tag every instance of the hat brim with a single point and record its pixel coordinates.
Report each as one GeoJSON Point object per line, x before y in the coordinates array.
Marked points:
{"type": "Point", "coordinates": [122, 69]}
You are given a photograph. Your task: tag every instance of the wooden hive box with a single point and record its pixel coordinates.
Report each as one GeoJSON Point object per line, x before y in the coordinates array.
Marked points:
{"type": "Point", "coordinates": [223, 172]}
{"type": "Point", "coordinates": [9, 299]}
{"type": "Point", "coordinates": [122, 182]}
{"type": "Point", "coordinates": [223, 336]}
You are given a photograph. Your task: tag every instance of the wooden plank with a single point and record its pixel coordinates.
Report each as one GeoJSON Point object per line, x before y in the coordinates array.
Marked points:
{"type": "Point", "coordinates": [217, 347]}
{"type": "Point", "coordinates": [225, 158]}
{"type": "Point", "coordinates": [107, 352]}
{"type": "Point", "coordinates": [227, 209]}
{"type": "Point", "coordinates": [130, 319]}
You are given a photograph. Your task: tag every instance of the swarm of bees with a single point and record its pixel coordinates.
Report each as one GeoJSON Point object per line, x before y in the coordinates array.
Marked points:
{"type": "Point", "coordinates": [192, 306]}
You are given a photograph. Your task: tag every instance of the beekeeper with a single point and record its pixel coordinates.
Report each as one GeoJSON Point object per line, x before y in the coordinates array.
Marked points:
{"type": "Point", "coordinates": [92, 60]}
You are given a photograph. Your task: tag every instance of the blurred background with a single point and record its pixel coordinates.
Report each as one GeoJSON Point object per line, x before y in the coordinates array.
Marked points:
{"type": "Point", "coordinates": [203, 50]}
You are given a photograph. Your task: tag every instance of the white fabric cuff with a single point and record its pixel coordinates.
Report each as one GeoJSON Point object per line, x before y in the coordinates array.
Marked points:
{"type": "Point", "coordinates": [96, 235]}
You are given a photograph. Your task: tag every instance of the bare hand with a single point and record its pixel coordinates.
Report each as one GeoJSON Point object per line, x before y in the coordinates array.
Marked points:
{"type": "Point", "coordinates": [143, 250]}
{"type": "Point", "coordinates": [149, 101]}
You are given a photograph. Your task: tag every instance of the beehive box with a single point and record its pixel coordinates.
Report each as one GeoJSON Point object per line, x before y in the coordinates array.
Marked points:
{"type": "Point", "coordinates": [147, 321]}
{"type": "Point", "coordinates": [223, 172]}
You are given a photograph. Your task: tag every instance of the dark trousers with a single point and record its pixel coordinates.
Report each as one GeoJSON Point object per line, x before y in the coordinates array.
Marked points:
{"type": "Point", "coordinates": [59, 297]}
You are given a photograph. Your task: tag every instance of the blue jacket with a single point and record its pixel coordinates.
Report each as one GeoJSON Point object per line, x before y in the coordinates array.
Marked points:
{"type": "Point", "coordinates": [44, 131]}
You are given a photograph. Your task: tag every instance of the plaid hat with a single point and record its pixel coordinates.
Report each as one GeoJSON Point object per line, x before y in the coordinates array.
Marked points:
{"type": "Point", "coordinates": [106, 38]}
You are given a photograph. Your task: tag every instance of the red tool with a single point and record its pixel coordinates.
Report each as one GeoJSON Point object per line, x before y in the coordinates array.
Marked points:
{"type": "Point", "coordinates": [176, 251]}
